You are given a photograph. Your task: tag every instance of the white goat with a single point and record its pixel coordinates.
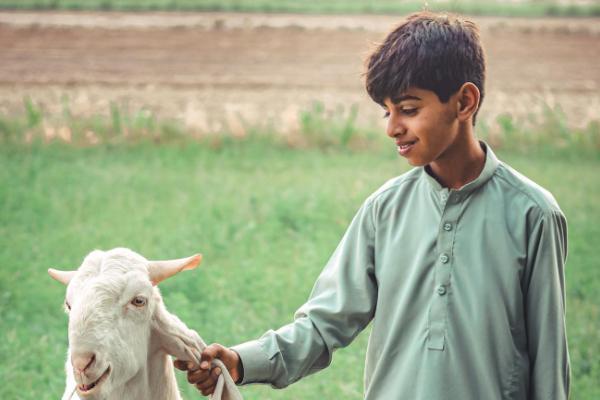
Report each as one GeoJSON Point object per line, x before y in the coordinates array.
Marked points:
{"type": "Point", "coordinates": [121, 334]}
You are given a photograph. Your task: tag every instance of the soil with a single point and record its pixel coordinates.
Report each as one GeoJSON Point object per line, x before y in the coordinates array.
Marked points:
{"type": "Point", "coordinates": [218, 71]}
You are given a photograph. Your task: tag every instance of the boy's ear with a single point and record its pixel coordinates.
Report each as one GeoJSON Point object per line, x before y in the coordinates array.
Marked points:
{"type": "Point", "coordinates": [468, 101]}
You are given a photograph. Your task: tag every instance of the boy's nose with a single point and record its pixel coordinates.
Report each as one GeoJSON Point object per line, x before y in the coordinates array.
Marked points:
{"type": "Point", "coordinates": [395, 128]}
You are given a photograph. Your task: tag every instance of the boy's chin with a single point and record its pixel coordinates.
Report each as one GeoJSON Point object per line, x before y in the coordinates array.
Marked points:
{"type": "Point", "coordinates": [416, 162]}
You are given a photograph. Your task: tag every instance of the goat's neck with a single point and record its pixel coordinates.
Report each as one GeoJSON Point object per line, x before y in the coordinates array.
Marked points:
{"type": "Point", "coordinates": [155, 381]}
{"type": "Point", "coordinates": [160, 374]}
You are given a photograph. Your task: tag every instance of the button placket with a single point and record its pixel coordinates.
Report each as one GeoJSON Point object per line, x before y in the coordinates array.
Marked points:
{"type": "Point", "coordinates": [443, 268]}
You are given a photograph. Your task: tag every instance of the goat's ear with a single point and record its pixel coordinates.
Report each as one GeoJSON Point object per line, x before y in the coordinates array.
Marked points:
{"type": "Point", "coordinates": [174, 337]}
{"type": "Point", "coordinates": [61, 276]}
{"type": "Point", "coordinates": [161, 270]}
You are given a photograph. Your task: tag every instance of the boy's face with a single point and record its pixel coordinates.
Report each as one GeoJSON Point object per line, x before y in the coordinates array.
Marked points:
{"type": "Point", "coordinates": [424, 128]}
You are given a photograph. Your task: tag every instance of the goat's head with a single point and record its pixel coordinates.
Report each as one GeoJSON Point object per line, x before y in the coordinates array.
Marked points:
{"type": "Point", "coordinates": [114, 308]}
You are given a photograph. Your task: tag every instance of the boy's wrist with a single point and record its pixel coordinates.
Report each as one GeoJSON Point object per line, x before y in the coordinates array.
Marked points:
{"type": "Point", "coordinates": [239, 366]}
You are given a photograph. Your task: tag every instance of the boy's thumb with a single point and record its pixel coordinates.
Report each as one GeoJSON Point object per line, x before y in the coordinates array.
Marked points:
{"type": "Point", "coordinates": [209, 354]}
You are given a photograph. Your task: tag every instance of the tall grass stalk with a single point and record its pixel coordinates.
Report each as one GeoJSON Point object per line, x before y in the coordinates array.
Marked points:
{"type": "Point", "coordinates": [318, 127]}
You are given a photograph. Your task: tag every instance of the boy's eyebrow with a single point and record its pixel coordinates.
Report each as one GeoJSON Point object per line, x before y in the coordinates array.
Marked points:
{"type": "Point", "coordinates": [397, 100]}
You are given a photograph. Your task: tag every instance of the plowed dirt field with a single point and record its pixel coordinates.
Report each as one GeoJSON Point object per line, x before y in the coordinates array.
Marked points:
{"type": "Point", "coordinates": [223, 71]}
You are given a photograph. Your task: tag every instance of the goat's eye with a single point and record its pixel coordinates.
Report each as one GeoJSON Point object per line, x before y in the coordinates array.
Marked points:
{"type": "Point", "coordinates": [67, 306]}
{"type": "Point", "coordinates": [139, 301]}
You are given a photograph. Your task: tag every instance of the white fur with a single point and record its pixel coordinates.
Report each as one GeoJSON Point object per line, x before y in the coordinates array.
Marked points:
{"type": "Point", "coordinates": [133, 341]}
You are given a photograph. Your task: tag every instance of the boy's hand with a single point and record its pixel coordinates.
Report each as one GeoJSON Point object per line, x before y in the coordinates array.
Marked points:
{"type": "Point", "coordinates": [204, 378]}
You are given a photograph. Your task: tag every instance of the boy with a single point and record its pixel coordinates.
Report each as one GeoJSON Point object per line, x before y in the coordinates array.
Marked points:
{"type": "Point", "coordinates": [458, 263]}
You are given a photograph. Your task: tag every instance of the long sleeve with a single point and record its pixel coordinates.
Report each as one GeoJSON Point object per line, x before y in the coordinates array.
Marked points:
{"type": "Point", "coordinates": [545, 308]}
{"type": "Point", "coordinates": [341, 304]}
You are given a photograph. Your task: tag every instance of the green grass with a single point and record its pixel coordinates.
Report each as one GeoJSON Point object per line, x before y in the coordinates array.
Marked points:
{"type": "Point", "coordinates": [265, 215]}
{"type": "Point", "coordinates": [531, 8]}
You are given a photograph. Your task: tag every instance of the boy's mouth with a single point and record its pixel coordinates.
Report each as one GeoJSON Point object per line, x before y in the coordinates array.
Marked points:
{"type": "Point", "coordinates": [405, 147]}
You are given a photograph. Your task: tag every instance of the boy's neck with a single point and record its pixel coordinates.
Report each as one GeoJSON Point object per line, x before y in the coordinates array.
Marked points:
{"type": "Point", "coordinates": [460, 164]}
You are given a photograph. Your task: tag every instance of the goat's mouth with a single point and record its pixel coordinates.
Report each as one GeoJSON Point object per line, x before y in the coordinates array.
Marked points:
{"type": "Point", "coordinates": [85, 389]}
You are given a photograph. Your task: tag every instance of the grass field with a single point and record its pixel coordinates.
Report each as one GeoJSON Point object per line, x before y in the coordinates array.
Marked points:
{"type": "Point", "coordinates": [266, 218]}
{"type": "Point", "coordinates": [524, 8]}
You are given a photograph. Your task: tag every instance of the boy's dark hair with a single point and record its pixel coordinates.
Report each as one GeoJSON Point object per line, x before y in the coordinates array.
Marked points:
{"type": "Point", "coordinates": [436, 52]}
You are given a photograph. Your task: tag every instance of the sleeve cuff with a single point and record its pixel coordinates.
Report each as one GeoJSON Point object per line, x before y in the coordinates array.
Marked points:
{"type": "Point", "coordinates": [256, 364]}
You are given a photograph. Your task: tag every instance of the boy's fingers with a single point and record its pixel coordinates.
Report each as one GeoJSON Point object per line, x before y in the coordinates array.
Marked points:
{"type": "Point", "coordinates": [205, 378]}
{"type": "Point", "coordinates": [185, 365]}
{"type": "Point", "coordinates": [210, 353]}
{"type": "Point", "coordinates": [191, 366]}
{"type": "Point", "coordinates": [208, 386]}
{"type": "Point", "coordinates": [206, 392]}
{"type": "Point", "coordinates": [198, 376]}
{"type": "Point", "coordinates": [212, 381]}
{"type": "Point", "coordinates": [181, 365]}
{"type": "Point", "coordinates": [207, 381]}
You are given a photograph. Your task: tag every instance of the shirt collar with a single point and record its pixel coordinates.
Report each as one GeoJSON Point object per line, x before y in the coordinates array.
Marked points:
{"type": "Point", "coordinates": [491, 163]}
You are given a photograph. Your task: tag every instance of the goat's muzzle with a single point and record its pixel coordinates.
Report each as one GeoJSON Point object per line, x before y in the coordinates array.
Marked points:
{"type": "Point", "coordinates": [91, 387]}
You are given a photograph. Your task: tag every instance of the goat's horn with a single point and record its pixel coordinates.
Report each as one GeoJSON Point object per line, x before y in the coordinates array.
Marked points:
{"type": "Point", "coordinates": [161, 270]}
{"type": "Point", "coordinates": [61, 276]}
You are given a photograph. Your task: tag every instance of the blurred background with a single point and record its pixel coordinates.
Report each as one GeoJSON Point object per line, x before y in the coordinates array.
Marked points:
{"type": "Point", "coordinates": [242, 130]}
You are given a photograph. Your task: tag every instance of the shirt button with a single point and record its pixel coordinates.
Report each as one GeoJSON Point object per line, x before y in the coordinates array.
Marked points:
{"type": "Point", "coordinates": [447, 226]}
{"type": "Point", "coordinates": [444, 196]}
{"type": "Point", "coordinates": [441, 290]}
{"type": "Point", "coordinates": [444, 258]}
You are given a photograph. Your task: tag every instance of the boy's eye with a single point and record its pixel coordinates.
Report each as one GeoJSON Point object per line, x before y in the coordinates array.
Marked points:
{"type": "Point", "coordinates": [404, 110]}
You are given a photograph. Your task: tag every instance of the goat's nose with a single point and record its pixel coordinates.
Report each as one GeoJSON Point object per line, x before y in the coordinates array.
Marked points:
{"type": "Point", "coordinates": [82, 361]}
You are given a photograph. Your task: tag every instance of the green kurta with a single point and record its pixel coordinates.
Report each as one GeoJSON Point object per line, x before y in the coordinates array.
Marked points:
{"type": "Point", "coordinates": [465, 289]}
